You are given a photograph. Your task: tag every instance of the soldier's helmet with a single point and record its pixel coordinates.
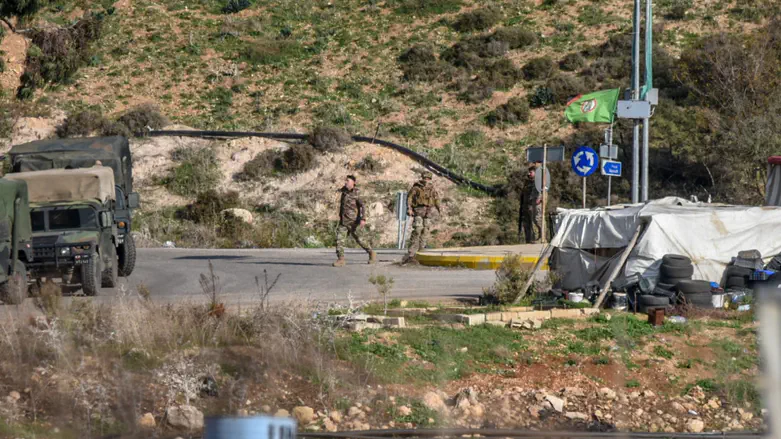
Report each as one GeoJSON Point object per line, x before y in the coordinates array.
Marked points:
{"type": "Point", "coordinates": [427, 175]}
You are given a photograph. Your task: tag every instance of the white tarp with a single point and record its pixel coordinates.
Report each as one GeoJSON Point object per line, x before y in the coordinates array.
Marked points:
{"type": "Point", "coordinates": [708, 234]}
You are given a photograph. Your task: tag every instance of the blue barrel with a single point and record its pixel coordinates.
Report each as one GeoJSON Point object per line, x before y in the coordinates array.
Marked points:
{"type": "Point", "coordinates": [255, 427]}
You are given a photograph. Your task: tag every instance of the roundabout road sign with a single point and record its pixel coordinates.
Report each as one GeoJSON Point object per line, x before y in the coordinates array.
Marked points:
{"type": "Point", "coordinates": [585, 161]}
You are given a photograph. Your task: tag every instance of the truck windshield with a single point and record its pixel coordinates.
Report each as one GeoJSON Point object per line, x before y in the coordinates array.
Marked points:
{"type": "Point", "coordinates": [64, 219]}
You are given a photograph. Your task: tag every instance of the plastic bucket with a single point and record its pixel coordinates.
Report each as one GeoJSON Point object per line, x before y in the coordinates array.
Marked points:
{"type": "Point", "coordinates": [717, 300]}
{"type": "Point", "coordinates": [576, 297]}
{"type": "Point", "coordinates": [620, 301]}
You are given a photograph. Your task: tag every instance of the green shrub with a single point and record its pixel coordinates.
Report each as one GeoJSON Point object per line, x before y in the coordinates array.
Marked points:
{"type": "Point", "coordinates": [515, 111]}
{"type": "Point", "coordinates": [515, 37]}
{"type": "Point", "coordinates": [370, 164]}
{"type": "Point", "coordinates": [236, 6]}
{"type": "Point", "coordinates": [209, 204]}
{"type": "Point", "coordinates": [541, 97]}
{"type": "Point", "coordinates": [502, 74]}
{"type": "Point", "coordinates": [294, 159]}
{"type": "Point", "coordinates": [564, 87]}
{"type": "Point", "coordinates": [82, 123]}
{"type": "Point", "coordinates": [676, 9]}
{"type": "Point", "coordinates": [572, 62]}
{"type": "Point", "coordinates": [479, 19]}
{"type": "Point", "coordinates": [138, 118]}
{"type": "Point", "coordinates": [333, 113]}
{"type": "Point", "coordinates": [426, 7]}
{"type": "Point", "coordinates": [511, 277]}
{"type": "Point", "coordinates": [267, 51]}
{"type": "Point", "coordinates": [327, 138]}
{"type": "Point", "coordinates": [419, 63]}
{"type": "Point", "coordinates": [476, 92]}
{"type": "Point", "coordinates": [114, 128]}
{"type": "Point", "coordinates": [538, 68]}
{"type": "Point", "coordinates": [55, 55]}
{"type": "Point", "coordinates": [198, 171]}
{"type": "Point", "coordinates": [297, 158]}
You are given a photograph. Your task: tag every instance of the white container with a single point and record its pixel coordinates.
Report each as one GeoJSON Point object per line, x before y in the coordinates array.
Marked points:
{"type": "Point", "coordinates": [717, 300]}
{"type": "Point", "coordinates": [575, 297]}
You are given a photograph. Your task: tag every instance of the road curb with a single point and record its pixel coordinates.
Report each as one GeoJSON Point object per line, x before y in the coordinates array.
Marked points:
{"type": "Point", "coordinates": [473, 261]}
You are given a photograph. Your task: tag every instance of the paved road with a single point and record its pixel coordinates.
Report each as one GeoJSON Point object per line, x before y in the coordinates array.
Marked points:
{"type": "Point", "coordinates": [172, 275]}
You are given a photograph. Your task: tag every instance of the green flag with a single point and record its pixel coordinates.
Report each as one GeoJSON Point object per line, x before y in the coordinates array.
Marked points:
{"type": "Point", "coordinates": [599, 106]}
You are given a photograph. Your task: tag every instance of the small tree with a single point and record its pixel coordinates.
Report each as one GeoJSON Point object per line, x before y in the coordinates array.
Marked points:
{"type": "Point", "coordinates": [384, 284]}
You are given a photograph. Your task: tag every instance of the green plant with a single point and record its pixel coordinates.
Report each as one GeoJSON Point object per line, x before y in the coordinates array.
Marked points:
{"type": "Point", "coordinates": [632, 384]}
{"type": "Point", "coordinates": [264, 51]}
{"type": "Point", "coordinates": [420, 63]}
{"type": "Point", "coordinates": [198, 171]}
{"type": "Point", "coordinates": [541, 97]}
{"type": "Point", "coordinates": [572, 62]}
{"type": "Point", "coordinates": [236, 6]}
{"type": "Point", "coordinates": [511, 277]}
{"type": "Point", "coordinates": [538, 68]}
{"type": "Point", "coordinates": [426, 7]}
{"type": "Point", "coordinates": [138, 119]}
{"type": "Point", "coordinates": [684, 364]}
{"type": "Point", "coordinates": [384, 285]}
{"type": "Point", "coordinates": [479, 19]}
{"type": "Point", "coordinates": [81, 123]}
{"type": "Point", "coordinates": [208, 206]}
{"type": "Point", "coordinates": [514, 37]}
{"type": "Point", "coordinates": [661, 351]}
{"type": "Point", "coordinates": [329, 139]}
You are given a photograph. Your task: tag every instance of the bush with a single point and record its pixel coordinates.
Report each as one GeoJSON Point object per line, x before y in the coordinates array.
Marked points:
{"type": "Point", "coordinates": [145, 115]}
{"type": "Point", "coordinates": [56, 55]}
{"type": "Point", "coordinates": [198, 171]}
{"type": "Point", "coordinates": [370, 164]}
{"type": "Point", "coordinates": [538, 68]}
{"type": "Point", "coordinates": [297, 158]}
{"type": "Point", "coordinates": [427, 7]}
{"type": "Point", "coordinates": [419, 63]}
{"type": "Point", "coordinates": [236, 6]}
{"type": "Point", "coordinates": [209, 204]}
{"type": "Point", "coordinates": [479, 19]}
{"type": "Point", "coordinates": [267, 51]}
{"type": "Point", "coordinates": [515, 37]}
{"type": "Point", "coordinates": [502, 74]}
{"type": "Point", "coordinates": [572, 62]}
{"type": "Point", "coordinates": [563, 88]}
{"type": "Point", "coordinates": [114, 128]}
{"type": "Point", "coordinates": [333, 113]}
{"type": "Point", "coordinates": [326, 139]}
{"type": "Point", "coordinates": [541, 97]}
{"type": "Point", "coordinates": [82, 123]}
{"type": "Point", "coordinates": [476, 92]}
{"type": "Point", "coordinates": [511, 277]}
{"type": "Point", "coordinates": [515, 111]}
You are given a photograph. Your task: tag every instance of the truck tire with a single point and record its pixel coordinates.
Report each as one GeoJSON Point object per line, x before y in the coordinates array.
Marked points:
{"type": "Point", "coordinates": [14, 291]}
{"type": "Point", "coordinates": [110, 272]}
{"type": "Point", "coordinates": [676, 260]}
{"type": "Point", "coordinates": [699, 300]}
{"type": "Point", "coordinates": [736, 281]}
{"type": "Point", "coordinates": [694, 286]}
{"type": "Point", "coordinates": [91, 274]}
{"type": "Point", "coordinates": [127, 256]}
{"type": "Point", "coordinates": [647, 302]}
{"type": "Point", "coordinates": [677, 271]}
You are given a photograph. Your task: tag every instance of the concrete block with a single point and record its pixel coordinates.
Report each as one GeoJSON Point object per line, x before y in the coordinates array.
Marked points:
{"type": "Point", "coordinates": [494, 316]}
{"type": "Point", "coordinates": [509, 315]}
{"type": "Point", "coordinates": [453, 318]}
{"type": "Point", "coordinates": [360, 326]}
{"type": "Point", "coordinates": [472, 319]}
{"type": "Point", "coordinates": [520, 308]}
{"type": "Point", "coordinates": [589, 311]}
{"type": "Point", "coordinates": [565, 313]}
{"type": "Point", "coordinates": [497, 323]}
{"type": "Point", "coordinates": [533, 315]}
{"type": "Point", "coordinates": [406, 312]}
{"type": "Point", "coordinates": [394, 322]}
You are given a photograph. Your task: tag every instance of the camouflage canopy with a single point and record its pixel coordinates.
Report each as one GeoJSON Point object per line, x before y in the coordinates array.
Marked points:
{"type": "Point", "coordinates": [113, 152]}
{"type": "Point", "coordinates": [54, 185]}
{"type": "Point", "coordinates": [10, 190]}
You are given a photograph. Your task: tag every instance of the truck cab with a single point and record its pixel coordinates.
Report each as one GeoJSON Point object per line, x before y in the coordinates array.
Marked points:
{"type": "Point", "coordinates": [74, 232]}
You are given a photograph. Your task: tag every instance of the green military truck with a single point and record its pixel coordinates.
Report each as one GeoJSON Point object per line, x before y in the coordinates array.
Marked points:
{"type": "Point", "coordinates": [74, 233]}
{"type": "Point", "coordinates": [112, 152]}
{"type": "Point", "coordinates": [15, 241]}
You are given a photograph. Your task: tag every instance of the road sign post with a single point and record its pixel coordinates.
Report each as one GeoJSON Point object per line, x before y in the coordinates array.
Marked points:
{"type": "Point", "coordinates": [610, 169]}
{"type": "Point", "coordinates": [544, 190]}
{"type": "Point", "coordinates": [584, 162]}
{"type": "Point", "coordinates": [542, 180]}
{"type": "Point", "coordinates": [401, 215]}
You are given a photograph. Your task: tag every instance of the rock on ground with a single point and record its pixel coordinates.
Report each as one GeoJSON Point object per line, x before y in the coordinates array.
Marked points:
{"type": "Point", "coordinates": [147, 421]}
{"type": "Point", "coordinates": [405, 411]}
{"type": "Point", "coordinates": [555, 402]}
{"type": "Point", "coordinates": [242, 214]}
{"type": "Point", "coordinates": [577, 416]}
{"type": "Point", "coordinates": [282, 413]}
{"type": "Point", "coordinates": [434, 402]}
{"type": "Point", "coordinates": [330, 426]}
{"type": "Point", "coordinates": [695, 426]}
{"type": "Point", "coordinates": [335, 416]}
{"type": "Point", "coordinates": [186, 416]}
{"type": "Point", "coordinates": [304, 415]}
{"type": "Point", "coordinates": [607, 393]}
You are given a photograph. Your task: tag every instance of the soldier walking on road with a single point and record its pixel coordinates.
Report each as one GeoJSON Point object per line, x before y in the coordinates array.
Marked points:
{"type": "Point", "coordinates": [530, 216]}
{"type": "Point", "coordinates": [352, 222]}
{"type": "Point", "coordinates": [421, 200]}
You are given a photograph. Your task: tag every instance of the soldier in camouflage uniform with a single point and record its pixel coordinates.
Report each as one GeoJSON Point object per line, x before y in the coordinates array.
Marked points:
{"type": "Point", "coordinates": [421, 200]}
{"type": "Point", "coordinates": [530, 216]}
{"type": "Point", "coordinates": [352, 222]}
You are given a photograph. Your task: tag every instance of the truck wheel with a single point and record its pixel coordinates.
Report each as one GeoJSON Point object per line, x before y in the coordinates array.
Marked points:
{"type": "Point", "coordinates": [14, 291]}
{"type": "Point", "coordinates": [90, 275]}
{"type": "Point", "coordinates": [110, 271]}
{"type": "Point", "coordinates": [127, 256]}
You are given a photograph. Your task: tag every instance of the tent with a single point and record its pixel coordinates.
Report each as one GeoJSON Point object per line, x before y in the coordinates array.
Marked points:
{"type": "Point", "coordinates": [773, 189]}
{"type": "Point", "coordinates": [588, 243]}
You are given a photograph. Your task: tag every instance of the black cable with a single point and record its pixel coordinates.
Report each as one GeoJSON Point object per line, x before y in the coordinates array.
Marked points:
{"type": "Point", "coordinates": [459, 432]}
{"type": "Point", "coordinates": [438, 169]}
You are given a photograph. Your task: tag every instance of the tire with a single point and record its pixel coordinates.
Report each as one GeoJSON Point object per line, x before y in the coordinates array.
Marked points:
{"type": "Point", "coordinates": [14, 291]}
{"type": "Point", "coordinates": [735, 271]}
{"type": "Point", "coordinates": [646, 302]}
{"type": "Point", "coordinates": [673, 280]}
{"type": "Point", "coordinates": [661, 292]}
{"type": "Point", "coordinates": [736, 281]}
{"type": "Point", "coordinates": [91, 274]}
{"type": "Point", "coordinates": [676, 261]}
{"type": "Point", "coordinates": [664, 286]}
{"type": "Point", "coordinates": [677, 271]}
{"type": "Point", "coordinates": [694, 286]}
{"type": "Point", "coordinates": [127, 256]}
{"type": "Point", "coordinates": [700, 300]}
{"type": "Point", "coordinates": [110, 273]}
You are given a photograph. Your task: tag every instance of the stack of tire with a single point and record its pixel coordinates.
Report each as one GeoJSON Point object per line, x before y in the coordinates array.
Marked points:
{"type": "Point", "coordinates": [737, 277]}
{"type": "Point", "coordinates": [675, 285]}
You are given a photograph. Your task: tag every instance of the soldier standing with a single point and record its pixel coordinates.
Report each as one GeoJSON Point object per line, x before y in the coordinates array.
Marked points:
{"type": "Point", "coordinates": [421, 200]}
{"type": "Point", "coordinates": [352, 222]}
{"type": "Point", "coordinates": [529, 215]}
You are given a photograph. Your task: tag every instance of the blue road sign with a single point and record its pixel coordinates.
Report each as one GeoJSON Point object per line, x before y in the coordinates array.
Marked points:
{"type": "Point", "coordinates": [611, 168]}
{"type": "Point", "coordinates": [584, 161]}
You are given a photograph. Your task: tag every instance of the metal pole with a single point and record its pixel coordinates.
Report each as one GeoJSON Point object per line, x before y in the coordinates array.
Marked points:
{"type": "Point", "coordinates": [648, 46]}
{"type": "Point", "coordinates": [609, 139]}
{"type": "Point", "coordinates": [645, 159]}
{"type": "Point", "coordinates": [609, 178]}
{"type": "Point", "coordinates": [584, 192]}
{"type": "Point", "coordinates": [544, 190]}
{"type": "Point", "coordinates": [636, 96]}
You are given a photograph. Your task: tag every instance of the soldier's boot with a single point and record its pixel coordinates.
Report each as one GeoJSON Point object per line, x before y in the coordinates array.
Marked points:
{"type": "Point", "coordinates": [407, 259]}
{"type": "Point", "coordinates": [340, 262]}
{"type": "Point", "coordinates": [372, 257]}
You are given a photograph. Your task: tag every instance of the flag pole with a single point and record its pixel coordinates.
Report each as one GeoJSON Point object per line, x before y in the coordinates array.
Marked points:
{"type": "Point", "coordinates": [636, 96]}
{"type": "Point", "coordinates": [648, 86]}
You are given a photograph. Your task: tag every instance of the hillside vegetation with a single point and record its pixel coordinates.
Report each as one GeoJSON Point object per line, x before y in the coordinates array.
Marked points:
{"type": "Point", "coordinates": [469, 83]}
